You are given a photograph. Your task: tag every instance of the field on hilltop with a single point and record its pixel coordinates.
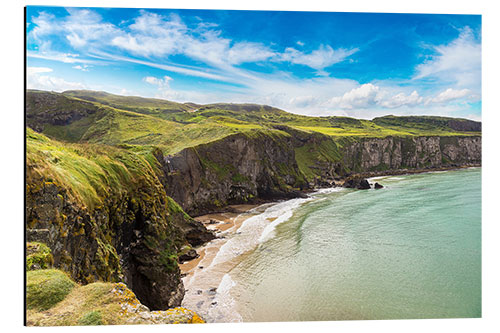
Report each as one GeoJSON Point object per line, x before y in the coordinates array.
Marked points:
{"type": "Point", "coordinates": [137, 122]}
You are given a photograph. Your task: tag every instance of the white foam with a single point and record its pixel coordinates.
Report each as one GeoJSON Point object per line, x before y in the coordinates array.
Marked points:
{"type": "Point", "coordinates": [256, 229]}
{"type": "Point", "coordinates": [280, 213]}
{"type": "Point", "coordinates": [371, 179]}
{"type": "Point", "coordinates": [328, 190]}
{"type": "Point", "coordinates": [224, 308]}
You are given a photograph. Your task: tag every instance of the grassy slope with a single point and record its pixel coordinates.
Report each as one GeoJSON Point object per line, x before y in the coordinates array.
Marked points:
{"type": "Point", "coordinates": [141, 124]}
{"type": "Point", "coordinates": [53, 299]}
{"type": "Point", "coordinates": [90, 172]}
{"type": "Point", "coordinates": [137, 104]}
{"type": "Point", "coordinates": [173, 126]}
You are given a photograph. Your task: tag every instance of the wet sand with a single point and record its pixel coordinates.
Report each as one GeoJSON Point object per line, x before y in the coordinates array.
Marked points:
{"type": "Point", "coordinates": [202, 278]}
{"type": "Point", "coordinates": [223, 224]}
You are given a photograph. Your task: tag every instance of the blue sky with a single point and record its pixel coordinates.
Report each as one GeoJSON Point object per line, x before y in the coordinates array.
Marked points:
{"type": "Point", "coordinates": [316, 63]}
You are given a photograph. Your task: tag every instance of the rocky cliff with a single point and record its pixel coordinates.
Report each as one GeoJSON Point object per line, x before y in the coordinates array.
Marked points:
{"type": "Point", "coordinates": [242, 168]}
{"type": "Point", "coordinates": [395, 153]}
{"type": "Point", "coordinates": [126, 230]}
{"type": "Point", "coordinates": [108, 194]}
{"type": "Point", "coordinates": [236, 169]}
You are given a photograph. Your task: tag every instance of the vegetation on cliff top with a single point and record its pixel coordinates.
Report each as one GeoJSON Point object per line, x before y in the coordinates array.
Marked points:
{"type": "Point", "coordinates": [90, 172]}
{"type": "Point", "coordinates": [136, 122]}
{"type": "Point", "coordinates": [46, 288]}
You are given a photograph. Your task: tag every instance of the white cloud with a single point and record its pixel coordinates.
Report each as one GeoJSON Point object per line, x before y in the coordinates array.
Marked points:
{"type": "Point", "coordinates": [402, 99]}
{"type": "Point", "coordinates": [367, 95]}
{"type": "Point", "coordinates": [36, 79]}
{"type": "Point", "coordinates": [80, 28]}
{"type": "Point", "coordinates": [450, 95]}
{"type": "Point", "coordinates": [37, 70]}
{"type": "Point", "coordinates": [161, 83]}
{"type": "Point", "coordinates": [153, 35]}
{"type": "Point", "coordinates": [318, 59]}
{"type": "Point", "coordinates": [186, 70]}
{"type": "Point", "coordinates": [83, 68]}
{"type": "Point", "coordinates": [458, 62]}
{"type": "Point", "coordinates": [248, 52]}
{"type": "Point", "coordinates": [68, 58]}
{"type": "Point", "coordinates": [304, 101]}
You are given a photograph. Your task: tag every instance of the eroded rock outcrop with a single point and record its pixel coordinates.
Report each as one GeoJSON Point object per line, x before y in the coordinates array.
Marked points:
{"type": "Point", "coordinates": [241, 168]}
{"type": "Point", "coordinates": [132, 236]}
{"type": "Point", "coordinates": [236, 169]}
{"type": "Point", "coordinates": [394, 153]}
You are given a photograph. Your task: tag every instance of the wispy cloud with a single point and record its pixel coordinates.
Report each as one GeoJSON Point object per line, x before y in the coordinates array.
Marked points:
{"type": "Point", "coordinates": [458, 62]}
{"type": "Point", "coordinates": [83, 68]}
{"type": "Point", "coordinates": [68, 58]}
{"type": "Point", "coordinates": [319, 59]}
{"type": "Point", "coordinates": [450, 95]}
{"type": "Point", "coordinates": [154, 35]}
{"type": "Point", "coordinates": [165, 41]}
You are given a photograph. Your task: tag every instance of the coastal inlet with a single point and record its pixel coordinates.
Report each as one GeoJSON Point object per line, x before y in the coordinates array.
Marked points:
{"type": "Point", "coordinates": [409, 250]}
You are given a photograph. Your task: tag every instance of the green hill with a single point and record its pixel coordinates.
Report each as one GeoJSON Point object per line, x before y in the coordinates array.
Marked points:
{"type": "Point", "coordinates": [136, 122]}
{"type": "Point", "coordinates": [131, 103]}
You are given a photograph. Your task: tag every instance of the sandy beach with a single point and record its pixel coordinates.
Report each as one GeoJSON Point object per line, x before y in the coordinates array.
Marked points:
{"type": "Point", "coordinates": [204, 277]}
{"type": "Point", "coordinates": [224, 224]}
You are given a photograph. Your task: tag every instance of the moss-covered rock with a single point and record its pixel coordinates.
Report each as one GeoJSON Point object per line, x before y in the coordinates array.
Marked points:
{"type": "Point", "coordinates": [105, 215]}
{"type": "Point", "coordinates": [38, 256]}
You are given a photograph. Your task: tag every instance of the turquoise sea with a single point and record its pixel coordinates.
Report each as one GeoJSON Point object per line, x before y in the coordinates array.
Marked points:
{"type": "Point", "coordinates": [410, 250]}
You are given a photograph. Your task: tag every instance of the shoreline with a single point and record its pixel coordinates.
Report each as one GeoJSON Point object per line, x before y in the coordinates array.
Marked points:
{"type": "Point", "coordinates": [202, 277]}
{"type": "Point", "coordinates": [230, 217]}
{"type": "Point", "coordinates": [339, 182]}
{"type": "Point", "coordinates": [222, 223]}
{"type": "Point", "coordinates": [399, 172]}
{"type": "Point", "coordinates": [205, 278]}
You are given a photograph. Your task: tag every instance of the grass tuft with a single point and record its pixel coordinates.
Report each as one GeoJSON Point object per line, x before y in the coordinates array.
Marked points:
{"type": "Point", "coordinates": [91, 318]}
{"type": "Point", "coordinates": [45, 288]}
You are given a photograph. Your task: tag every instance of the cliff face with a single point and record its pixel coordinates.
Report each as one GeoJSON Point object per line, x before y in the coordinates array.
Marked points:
{"type": "Point", "coordinates": [45, 109]}
{"type": "Point", "coordinates": [411, 153]}
{"type": "Point", "coordinates": [133, 238]}
{"type": "Point", "coordinates": [241, 168]}
{"type": "Point", "coordinates": [236, 169]}
{"type": "Point", "coordinates": [133, 233]}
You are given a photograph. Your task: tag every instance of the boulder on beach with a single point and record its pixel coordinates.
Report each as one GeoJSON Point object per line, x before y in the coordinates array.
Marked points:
{"type": "Point", "coordinates": [377, 186]}
{"type": "Point", "coordinates": [189, 255]}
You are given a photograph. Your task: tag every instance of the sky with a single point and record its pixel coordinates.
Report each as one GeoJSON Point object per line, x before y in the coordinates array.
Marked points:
{"type": "Point", "coordinates": [360, 65]}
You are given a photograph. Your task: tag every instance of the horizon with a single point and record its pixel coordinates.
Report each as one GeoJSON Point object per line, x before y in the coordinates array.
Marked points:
{"type": "Point", "coordinates": [360, 65]}
{"type": "Point", "coordinates": [243, 103]}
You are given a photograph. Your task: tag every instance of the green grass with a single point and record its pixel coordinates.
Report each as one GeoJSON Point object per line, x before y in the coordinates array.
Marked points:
{"type": "Point", "coordinates": [45, 288]}
{"type": "Point", "coordinates": [91, 318]}
{"type": "Point", "coordinates": [137, 104]}
{"type": "Point", "coordinates": [90, 172]}
{"type": "Point", "coordinates": [139, 124]}
{"type": "Point", "coordinates": [98, 303]}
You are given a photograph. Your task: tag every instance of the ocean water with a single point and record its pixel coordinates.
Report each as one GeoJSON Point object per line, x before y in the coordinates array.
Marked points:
{"type": "Point", "coordinates": [409, 250]}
